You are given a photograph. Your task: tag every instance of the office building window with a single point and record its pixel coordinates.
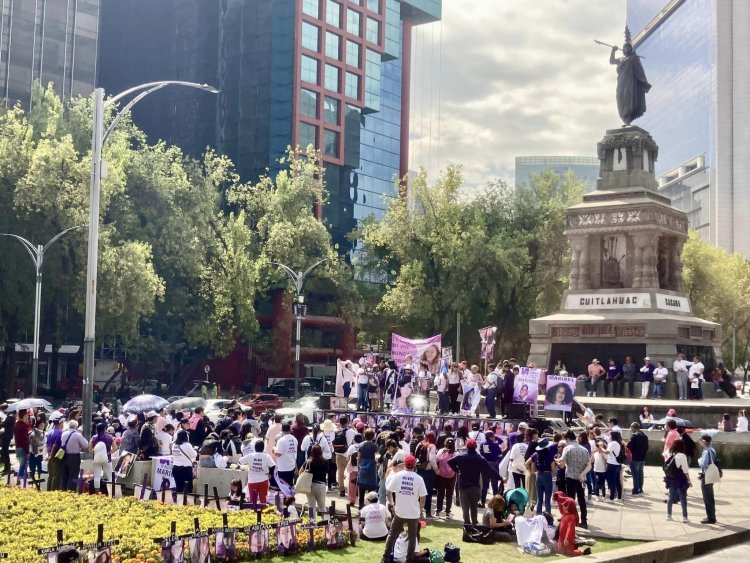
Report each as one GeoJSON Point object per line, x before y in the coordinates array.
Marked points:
{"type": "Point", "coordinates": [308, 135]}
{"type": "Point", "coordinates": [308, 103]}
{"type": "Point", "coordinates": [352, 85]}
{"type": "Point", "coordinates": [357, 2]}
{"type": "Point", "coordinates": [333, 46]}
{"type": "Point", "coordinates": [330, 143]}
{"type": "Point", "coordinates": [311, 8]}
{"type": "Point", "coordinates": [353, 51]}
{"type": "Point", "coordinates": [333, 13]}
{"type": "Point", "coordinates": [311, 36]}
{"type": "Point", "coordinates": [353, 22]}
{"type": "Point", "coordinates": [309, 70]}
{"type": "Point", "coordinates": [332, 78]}
{"type": "Point", "coordinates": [373, 30]}
{"type": "Point", "coordinates": [373, 6]}
{"type": "Point", "coordinates": [331, 110]}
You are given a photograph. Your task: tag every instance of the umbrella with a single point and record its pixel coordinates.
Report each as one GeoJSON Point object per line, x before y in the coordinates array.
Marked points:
{"type": "Point", "coordinates": [30, 403]}
{"type": "Point", "coordinates": [683, 422]}
{"type": "Point", "coordinates": [187, 403]}
{"type": "Point", "coordinates": [144, 403]}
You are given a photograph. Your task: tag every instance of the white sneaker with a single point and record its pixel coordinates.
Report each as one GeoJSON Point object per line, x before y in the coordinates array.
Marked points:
{"type": "Point", "coordinates": [686, 521]}
{"type": "Point", "coordinates": [588, 394]}
{"type": "Point", "coordinates": [593, 394]}
{"type": "Point", "coordinates": [669, 517]}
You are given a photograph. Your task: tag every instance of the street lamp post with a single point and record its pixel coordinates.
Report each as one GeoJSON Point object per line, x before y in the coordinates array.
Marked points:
{"type": "Point", "coordinates": [98, 137]}
{"type": "Point", "coordinates": [37, 256]}
{"type": "Point", "coordinates": [300, 310]}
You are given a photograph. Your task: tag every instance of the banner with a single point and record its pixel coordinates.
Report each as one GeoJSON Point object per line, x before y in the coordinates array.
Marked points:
{"type": "Point", "coordinates": [346, 373]}
{"type": "Point", "coordinates": [446, 359]}
{"type": "Point", "coordinates": [560, 392]}
{"type": "Point", "coordinates": [161, 473]}
{"type": "Point", "coordinates": [425, 350]}
{"type": "Point", "coordinates": [526, 386]}
{"type": "Point", "coordinates": [487, 334]}
{"type": "Point", "coordinates": [471, 398]}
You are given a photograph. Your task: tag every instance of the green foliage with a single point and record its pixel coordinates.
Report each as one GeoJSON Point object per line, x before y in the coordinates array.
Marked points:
{"type": "Point", "coordinates": [498, 258]}
{"type": "Point", "coordinates": [718, 283]}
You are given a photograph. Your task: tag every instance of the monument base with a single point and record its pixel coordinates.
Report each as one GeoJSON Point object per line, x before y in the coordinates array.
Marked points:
{"type": "Point", "coordinates": [578, 337]}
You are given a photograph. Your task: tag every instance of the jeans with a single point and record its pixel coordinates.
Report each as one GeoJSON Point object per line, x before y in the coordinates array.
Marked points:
{"type": "Point", "coordinates": [382, 499]}
{"type": "Point", "coordinates": [445, 486]}
{"type": "Point", "coordinates": [71, 467]}
{"type": "Point", "coordinates": [397, 526]}
{"type": "Point", "coordinates": [675, 494]}
{"type": "Point", "coordinates": [23, 462]}
{"type": "Point", "coordinates": [444, 403]}
{"type": "Point", "coordinates": [601, 483]}
{"type": "Point", "coordinates": [489, 402]}
{"type": "Point", "coordinates": [544, 491]}
{"type": "Point", "coordinates": [362, 397]}
{"type": "Point", "coordinates": [636, 469]}
{"type": "Point", "coordinates": [347, 387]}
{"type": "Point", "coordinates": [453, 389]}
{"type": "Point", "coordinates": [574, 489]}
{"type": "Point", "coordinates": [682, 385]}
{"type": "Point", "coordinates": [428, 476]}
{"type": "Point", "coordinates": [590, 481]}
{"type": "Point", "coordinates": [708, 500]}
{"type": "Point", "coordinates": [613, 480]}
{"type": "Point", "coordinates": [469, 502]}
{"type": "Point", "coordinates": [631, 385]}
{"type": "Point", "coordinates": [35, 466]}
{"type": "Point", "coordinates": [591, 384]}
{"type": "Point", "coordinates": [183, 478]}
{"type": "Point", "coordinates": [610, 386]}
{"type": "Point", "coordinates": [658, 389]}
{"type": "Point", "coordinates": [493, 481]}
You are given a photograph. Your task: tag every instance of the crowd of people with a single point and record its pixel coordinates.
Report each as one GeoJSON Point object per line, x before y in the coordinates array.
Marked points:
{"type": "Point", "coordinates": [689, 375]}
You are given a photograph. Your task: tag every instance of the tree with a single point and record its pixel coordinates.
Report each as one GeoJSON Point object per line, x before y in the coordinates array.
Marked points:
{"type": "Point", "coordinates": [718, 283]}
{"type": "Point", "coordinates": [498, 258]}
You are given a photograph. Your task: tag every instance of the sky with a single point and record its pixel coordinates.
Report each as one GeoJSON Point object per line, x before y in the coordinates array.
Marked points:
{"type": "Point", "coordinates": [498, 79]}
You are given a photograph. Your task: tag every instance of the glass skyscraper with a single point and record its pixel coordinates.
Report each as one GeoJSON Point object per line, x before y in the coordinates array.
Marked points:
{"type": "Point", "coordinates": [585, 167]}
{"type": "Point", "coordinates": [696, 57]}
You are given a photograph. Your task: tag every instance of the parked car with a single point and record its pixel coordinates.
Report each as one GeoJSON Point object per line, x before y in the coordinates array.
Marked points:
{"type": "Point", "coordinates": [320, 384]}
{"type": "Point", "coordinates": [306, 406]}
{"type": "Point", "coordinates": [261, 401]}
{"type": "Point", "coordinates": [285, 387]}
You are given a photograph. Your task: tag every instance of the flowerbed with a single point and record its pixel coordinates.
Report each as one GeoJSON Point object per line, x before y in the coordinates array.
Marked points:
{"type": "Point", "coordinates": [31, 520]}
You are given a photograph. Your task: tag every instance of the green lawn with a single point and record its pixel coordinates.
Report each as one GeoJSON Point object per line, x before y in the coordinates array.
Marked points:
{"type": "Point", "coordinates": [435, 536]}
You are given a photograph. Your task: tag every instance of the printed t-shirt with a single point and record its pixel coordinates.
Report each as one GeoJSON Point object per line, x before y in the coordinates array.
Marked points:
{"type": "Point", "coordinates": [286, 453]}
{"type": "Point", "coordinates": [258, 466]}
{"type": "Point", "coordinates": [374, 516]}
{"type": "Point", "coordinates": [408, 488]}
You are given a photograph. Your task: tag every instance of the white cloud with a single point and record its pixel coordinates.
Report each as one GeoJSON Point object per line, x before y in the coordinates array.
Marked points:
{"type": "Point", "coordinates": [517, 77]}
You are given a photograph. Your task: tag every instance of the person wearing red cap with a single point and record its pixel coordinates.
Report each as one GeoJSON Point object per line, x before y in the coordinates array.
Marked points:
{"type": "Point", "coordinates": [406, 497]}
{"type": "Point", "coordinates": [470, 466]}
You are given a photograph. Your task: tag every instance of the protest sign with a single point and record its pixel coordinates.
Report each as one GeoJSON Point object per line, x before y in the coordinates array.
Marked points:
{"type": "Point", "coordinates": [124, 464]}
{"type": "Point", "coordinates": [425, 350]}
{"type": "Point", "coordinates": [286, 535]}
{"type": "Point", "coordinates": [472, 396]}
{"type": "Point", "coordinates": [560, 393]}
{"type": "Point", "coordinates": [51, 553]}
{"type": "Point", "coordinates": [101, 550]}
{"type": "Point", "coordinates": [259, 544]}
{"type": "Point", "coordinates": [526, 386]}
{"type": "Point", "coordinates": [161, 473]}
{"type": "Point", "coordinates": [487, 335]}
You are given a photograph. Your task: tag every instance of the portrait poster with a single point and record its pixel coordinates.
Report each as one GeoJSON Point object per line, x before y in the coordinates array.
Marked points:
{"type": "Point", "coordinates": [200, 549]}
{"type": "Point", "coordinates": [334, 534]}
{"type": "Point", "coordinates": [346, 372]}
{"type": "Point", "coordinates": [226, 544]}
{"type": "Point", "coordinates": [161, 473]}
{"type": "Point", "coordinates": [446, 359]}
{"type": "Point", "coordinates": [124, 464]}
{"type": "Point", "coordinates": [286, 537]}
{"type": "Point", "coordinates": [526, 386]}
{"type": "Point", "coordinates": [471, 397]}
{"type": "Point", "coordinates": [103, 555]}
{"type": "Point", "coordinates": [259, 540]}
{"type": "Point", "coordinates": [427, 350]}
{"type": "Point", "coordinates": [560, 393]}
{"type": "Point", "coordinates": [487, 336]}
{"type": "Point", "coordinates": [173, 551]}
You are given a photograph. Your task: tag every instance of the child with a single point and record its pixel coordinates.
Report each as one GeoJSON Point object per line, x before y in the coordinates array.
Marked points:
{"type": "Point", "coordinates": [236, 494]}
{"type": "Point", "coordinates": [290, 509]}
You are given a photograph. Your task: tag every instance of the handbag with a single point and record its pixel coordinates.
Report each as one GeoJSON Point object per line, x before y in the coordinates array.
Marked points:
{"type": "Point", "coordinates": [478, 534]}
{"type": "Point", "coordinates": [61, 451]}
{"type": "Point", "coordinates": [451, 553]}
{"type": "Point", "coordinates": [304, 480]}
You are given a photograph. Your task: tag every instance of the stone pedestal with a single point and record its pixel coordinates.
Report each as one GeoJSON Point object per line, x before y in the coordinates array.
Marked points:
{"type": "Point", "coordinates": [625, 295]}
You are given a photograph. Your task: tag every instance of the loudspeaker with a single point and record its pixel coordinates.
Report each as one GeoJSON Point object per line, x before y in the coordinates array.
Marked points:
{"type": "Point", "coordinates": [518, 411]}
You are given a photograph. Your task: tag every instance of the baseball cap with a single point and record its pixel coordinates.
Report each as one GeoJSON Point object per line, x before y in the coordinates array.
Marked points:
{"type": "Point", "coordinates": [359, 425]}
{"type": "Point", "coordinates": [523, 426]}
{"type": "Point", "coordinates": [372, 496]}
{"type": "Point", "coordinates": [471, 444]}
{"type": "Point", "coordinates": [594, 361]}
{"type": "Point", "coordinates": [411, 462]}
{"type": "Point", "coordinates": [151, 414]}
{"type": "Point", "coordinates": [647, 358]}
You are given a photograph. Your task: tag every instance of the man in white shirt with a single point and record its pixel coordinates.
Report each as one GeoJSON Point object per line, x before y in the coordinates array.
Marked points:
{"type": "Point", "coordinates": [286, 454]}
{"type": "Point", "coordinates": [680, 367]}
{"type": "Point", "coordinates": [491, 386]}
{"type": "Point", "coordinates": [273, 433]}
{"type": "Point", "coordinates": [406, 493]}
{"type": "Point", "coordinates": [466, 372]}
{"type": "Point", "coordinates": [695, 376]}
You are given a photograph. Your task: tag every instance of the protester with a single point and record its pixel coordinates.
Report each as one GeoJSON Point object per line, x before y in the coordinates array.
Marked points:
{"type": "Point", "coordinates": [615, 457]}
{"type": "Point", "coordinates": [21, 430]}
{"type": "Point", "coordinates": [101, 446]}
{"type": "Point", "coordinates": [367, 474]}
{"type": "Point", "coordinates": [183, 460]}
{"type": "Point", "coordinates": [677, 478]}
{"type": "Point", "coordinates": [689, 444]}
{"type": "Point", "coordinates": [259, 466]}
{"type": "Point", "coordinates": [670, 436]}
{"type": "Point", "coordinates": [445, 479]}
{"type": "Point", "coordinates": [612, 381]}
{"type": "Point", "coordinates": [470, 468]}
{"type": "Point", "coordinates": [502, 528]}
{"type": "Point", "coordinates": [695, 378]}
{"type": "Point", "coordinates": [54, 465]}
{"type": "Point", "coordinates": [638, 446]}
{"type": "Point", "coordinates": [374, 519]}
{"type": "Point", "coordinates": [73, 443]}
{"type": "Point", "coordinates": [577, 462]}
{"type": "Point", "coordinates": [286, 454]}
{"type": "Point", "coordinates": [708, 458]}
{"type": "Point", "coordinates": [542, 461]}
{"type": "Point", "coordinates": [317, 465]}
{"type": "Point", "coordinates": [490, 450]}
{"type": "Point", "coordinates": [647, 376]}
{"type": "Point", "coordinates": [36, 448]}
{"type": "Point", "coordinates": [595, 374]}
{"type": "Point", "coordinates": [406, 496]}
{"type": "Point", "coordinates": [342, 440]}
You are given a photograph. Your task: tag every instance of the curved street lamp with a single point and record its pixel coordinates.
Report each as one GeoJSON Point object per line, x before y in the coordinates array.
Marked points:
{"type": "Point", "coordinates": [300, 311]}
{"type": "Point", "coordinates": [36, 251]}
{"type": "Point", "coordinates": [98, 137]}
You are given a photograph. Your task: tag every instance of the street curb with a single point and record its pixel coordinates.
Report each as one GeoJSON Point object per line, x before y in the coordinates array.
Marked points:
{"type": "Point", "coordinates": [680, 549]}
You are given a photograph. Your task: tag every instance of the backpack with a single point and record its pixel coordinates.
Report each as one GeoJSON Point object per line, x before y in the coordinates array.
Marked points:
{"type": "Point", "coordinates": [670, 468]}
{"type": "Point", "coordinates": [445, 470]}
{"type": "Point", "coordinates": [339, 441]}
{"type": "Point", "coordinates": [622, 456]}
{"type": "Point", "coordinates": [420, 453]}
{"type": "Point", "coordinates": [355, 458]}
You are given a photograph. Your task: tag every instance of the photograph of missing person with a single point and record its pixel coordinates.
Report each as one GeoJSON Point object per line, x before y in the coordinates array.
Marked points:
{"type": "Point", "coordinates": [225, 544]}
{"type": "Point", "coordinates": [173, 552]}
{"type": "Point", "coordinates": [259, 542]}
{"type": "Point", "coordinates": [286, 538]}
{"type": "Point", "coordinates": [100, 556]}
{"type": "Point", "coordinates": [199, 550]}
{"type": "Point", "coordinates": [335, 535]}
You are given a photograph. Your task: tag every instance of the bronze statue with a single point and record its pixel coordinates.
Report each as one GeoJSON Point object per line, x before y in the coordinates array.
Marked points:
{"type": "Point", "coordinates": [631, 82]}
